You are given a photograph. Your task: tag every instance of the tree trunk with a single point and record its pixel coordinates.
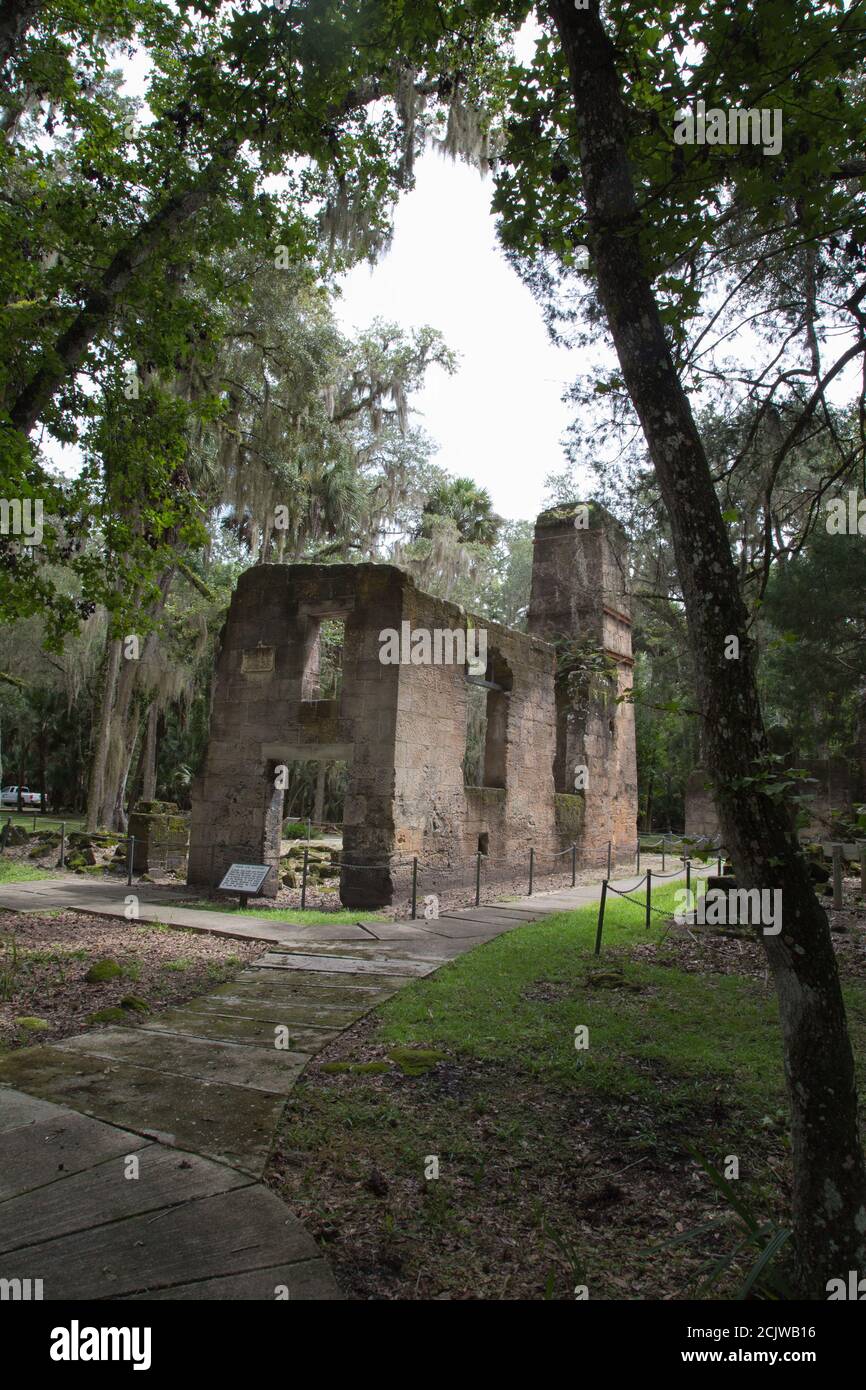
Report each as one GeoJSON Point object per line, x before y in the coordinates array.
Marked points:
{"type": "Point", "coordinates": [99, 755]}
{"type": "Point", "coordinates": [648, 816]}
{"type": "Point", "coordinates": [16, 17]}
{"type": "Point", "coordinates": [860, 742]}
{"type": "Point", "coordinates": [122, 737]}
{"type": "Point", "coordinates": [319, 803]}
{"type": "Point", "coordinates": [148, 773]}
{"type": "Point", "coordinates": [42, 758]}
{"type": "Point", "coordinates": [829, 1190]}
{"type": "Point", "coordinates": [116, 809]}
{"type": "Point", "coordinates": [124, 724]}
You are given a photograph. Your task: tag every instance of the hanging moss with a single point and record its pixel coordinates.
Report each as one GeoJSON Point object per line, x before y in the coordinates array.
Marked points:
{"type": "Point", "coordinates": [570, 812]}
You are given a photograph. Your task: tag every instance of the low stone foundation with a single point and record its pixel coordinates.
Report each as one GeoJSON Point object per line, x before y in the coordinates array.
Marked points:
{"type": "Point", "coordinates": [161, 834]}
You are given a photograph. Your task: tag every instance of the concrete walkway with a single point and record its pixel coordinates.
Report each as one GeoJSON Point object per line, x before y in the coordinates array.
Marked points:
{"type": "Point", "coordinates": [130, 1158]}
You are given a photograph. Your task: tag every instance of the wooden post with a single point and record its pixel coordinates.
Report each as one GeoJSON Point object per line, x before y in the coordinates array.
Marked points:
{"type": "Point", "coordinates": [649, 889]}
{"type": "Point", "coordinates": [837, 876]}
{"type": "Point", "coordinates": [304, 878]}
{"type": "Point", "coordinates": [600, 927]}
{"type": "Point", "coordinates": [414, 887]}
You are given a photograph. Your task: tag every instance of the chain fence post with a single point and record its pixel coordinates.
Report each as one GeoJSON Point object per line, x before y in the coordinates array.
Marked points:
{"type": "Point", "coordinates": [688, 879]}
{"type": "Point", "coordinates": [663, 853]}
{"type": "Point", "coordinates": [609, 852]}
{"type": "Point", "coordinates": [600, 927]}
{"type": "Point", "coordinates": [637, 866]}
{"type": "Point", "coordinates": [649, 889]}
{"type": "Point", "coordinates": [531, 869]}
{"type": "Point", "coordinates": [304, 878]}
{"type": "Point", "coordinates": [837, 876]}
{"type": "Point", "coordinates": [130, 858]}
{"type": "Point", "coordinates": [573, 865]}
{"type": "Point", "coordinates": [414, 887]}
{"type": "Point", "coordinates": [62, 844]}
{"type": "Point", "coordinates": [863, 868]}
{"type": "Point", "coordinates": [478, 878]}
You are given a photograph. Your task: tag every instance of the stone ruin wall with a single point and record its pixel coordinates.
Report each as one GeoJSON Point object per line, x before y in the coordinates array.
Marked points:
{"type": "Point", "coordinates": [579, 586]}
{"type": "Point", "coordinates": [831, 793]}
{"type": "Point", "coordinates": [402, 728]}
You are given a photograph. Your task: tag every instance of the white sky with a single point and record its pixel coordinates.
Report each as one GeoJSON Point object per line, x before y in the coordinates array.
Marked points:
{"type": "Point", "coordinates": [500, 418]}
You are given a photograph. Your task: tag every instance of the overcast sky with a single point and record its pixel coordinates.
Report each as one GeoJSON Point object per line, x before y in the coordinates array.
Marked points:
{"type": "Point", "coordinates": [500, 418]}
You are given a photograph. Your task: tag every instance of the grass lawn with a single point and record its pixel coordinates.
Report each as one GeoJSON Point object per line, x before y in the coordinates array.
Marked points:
{"type": "Point", "coordinates": [13, 872]}
{"type": "Point", "coordinates": [47, 822]}
{"type": "Point", "coordinates": [558, 1167]}
{"type": "Point", "coordinates": [288, 914]}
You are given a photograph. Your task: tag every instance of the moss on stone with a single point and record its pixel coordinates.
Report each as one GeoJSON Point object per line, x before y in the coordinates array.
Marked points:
{"type": "Point", "coordinates": [334, 1068]}
{"type": "Point", "coordinates": [33, 1025]}
{"type": "Point", "coordinates": [570, 814]}
{"type": "Point", "coordinates": [415, 1061]}
{"type": "Point", "coordinates": [110, 1015]}
{"type": "Point", "coordinates": [133, 1004]}
{"type": "Point", "coordinates": [102, 971]}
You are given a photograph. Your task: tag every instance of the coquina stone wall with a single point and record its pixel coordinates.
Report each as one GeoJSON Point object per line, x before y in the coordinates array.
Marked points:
{"type": "Point", "coordinates": [401, 728]}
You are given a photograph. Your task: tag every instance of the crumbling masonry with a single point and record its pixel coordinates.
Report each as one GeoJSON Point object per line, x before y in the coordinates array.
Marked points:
{"type": "Point", "coordinates": [401, 728]}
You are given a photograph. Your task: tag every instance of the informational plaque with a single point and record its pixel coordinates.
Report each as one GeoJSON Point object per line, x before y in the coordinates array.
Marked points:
{"type": "Point", "coordinates": [245, 878]}
{"type": "Point", "coordinates": [257, 660]}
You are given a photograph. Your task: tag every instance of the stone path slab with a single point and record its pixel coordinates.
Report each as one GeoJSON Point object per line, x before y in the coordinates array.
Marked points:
{"type": "Point", "coordinates": [185, 1227]}
{"type": "Point", "coordinates": [204, 1059]}
{"type": "Point", "coordinates": [102, 1193]}
{"type": "Point", "coordinates": [304, 1038]}
{"type": "Point", "coordinates": [55, 1143]}
{"type": "Point", "coordinates": [231, 1233]}
{"type": "Point", "coordinates": [306, 1280]}
{"type": "Point", "coordinates": [231, 1124]}
{"type": "Point", "coordinates": [264, 983]}
{"type": "Point", "coordinates": [350, 965]}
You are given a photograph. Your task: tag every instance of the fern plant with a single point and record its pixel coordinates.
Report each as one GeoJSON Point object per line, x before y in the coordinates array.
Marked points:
{"type": "Point", "coordinates": [761, 1237]}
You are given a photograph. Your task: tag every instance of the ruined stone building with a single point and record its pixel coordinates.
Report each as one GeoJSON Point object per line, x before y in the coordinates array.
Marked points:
{"type": "Point", "coordinates": [401, 727]}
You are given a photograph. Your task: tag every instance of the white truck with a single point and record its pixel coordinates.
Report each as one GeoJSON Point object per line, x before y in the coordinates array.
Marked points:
{"type": "Point", "coordinates": [31, 800]}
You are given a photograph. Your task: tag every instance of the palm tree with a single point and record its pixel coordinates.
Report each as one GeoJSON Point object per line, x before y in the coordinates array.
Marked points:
{"type": "Point", "coordinates": [470, 508]}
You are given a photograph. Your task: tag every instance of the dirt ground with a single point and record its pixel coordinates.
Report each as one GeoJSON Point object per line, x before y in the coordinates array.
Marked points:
{"type": "Point", "coordinates": [45, 958]}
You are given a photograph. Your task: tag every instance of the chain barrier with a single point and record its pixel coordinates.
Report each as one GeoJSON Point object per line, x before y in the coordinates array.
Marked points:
{"type": "Point", "coordinates": [638, 902]}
